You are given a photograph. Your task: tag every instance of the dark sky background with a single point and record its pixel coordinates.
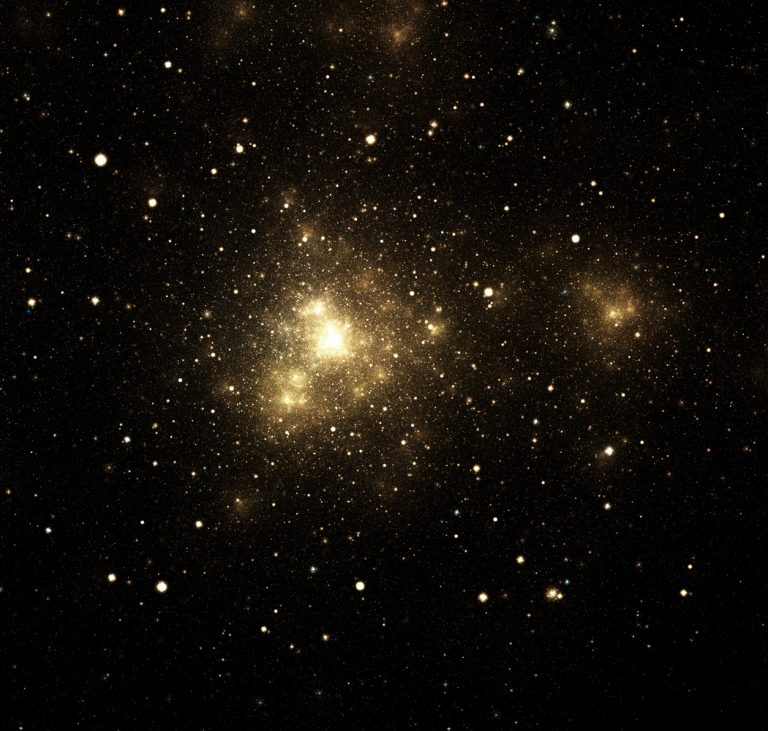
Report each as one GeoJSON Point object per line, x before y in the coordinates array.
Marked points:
{"type": "Point", "coordinates": [394, 364]}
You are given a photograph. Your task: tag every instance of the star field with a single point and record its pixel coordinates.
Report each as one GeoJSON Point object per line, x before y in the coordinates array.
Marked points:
{"type": "Point", "coordinates": [388, 364]}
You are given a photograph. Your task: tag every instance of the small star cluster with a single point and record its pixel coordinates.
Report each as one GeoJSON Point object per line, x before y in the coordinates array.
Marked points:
{"type": "Point", "coordinates": [394, 364]}
{"type": "Point", "coordinates": [344, 347]}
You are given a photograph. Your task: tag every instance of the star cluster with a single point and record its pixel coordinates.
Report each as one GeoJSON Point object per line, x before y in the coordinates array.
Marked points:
{"type": "Point", "coordinates": [391, 364]}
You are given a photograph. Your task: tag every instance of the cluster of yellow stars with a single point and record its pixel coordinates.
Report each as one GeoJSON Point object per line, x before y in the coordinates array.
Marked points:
{"type": "Point", "coordinates": [611, 313]}
{"type": "Point", "coordinates": [337, 341]}
{"type": "Point", "coordinates": [318, 359]}
{"type": "Point", "coordinates": [616, 305]}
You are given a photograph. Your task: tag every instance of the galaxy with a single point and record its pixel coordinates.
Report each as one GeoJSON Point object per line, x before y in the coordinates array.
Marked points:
{"type": "Point", "coordinates": [383, 365]}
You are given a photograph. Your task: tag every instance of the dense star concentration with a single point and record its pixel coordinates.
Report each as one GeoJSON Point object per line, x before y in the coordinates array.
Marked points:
{"type": "Point", "coordinates": [395, 364]}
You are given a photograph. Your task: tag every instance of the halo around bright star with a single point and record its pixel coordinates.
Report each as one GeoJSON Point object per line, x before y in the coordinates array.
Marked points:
{"type": "Point", "coordinates": [331, 340]}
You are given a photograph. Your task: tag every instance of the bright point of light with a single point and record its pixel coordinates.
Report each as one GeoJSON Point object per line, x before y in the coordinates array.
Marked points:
{"type": "Point", "coordinates": [152, 202]}
{"type": "Point", "coordinates": [111, 578]}
{"type": "Point", "coordinates": [488, 292]}
{"type": "Point", "coordinates": [482, 597]}
{"type": "Point", "coordinates": [95, 300]}
{"type": "Point", "coordinates": [198, 524]}
{"type": "Point", "coordinates": [239, 149]}
{"type": "Point", "coordinates": [331, 340]}
{"type": "Point", "coordinates": [161, 586]}
{"type": "Point", "coordinates": [31, 302]}
{"type": "Point", "coordinates": [100, 159]}
{"type": "Point", "coordinates": [575, 238]}
{"type": "Point", "coordinates": [167, 64]}
{"type": "Point", "coordinates": [520, 559]}
{"type": "Point", "coordinates": [609, 451]}
{"type": "Point", "coordinates": [683, 592]}
{"type": "Point", "coordinates": [360, 585]}
{"type": "Point", "coordinates": [370, 139]}
{"type": "Point", "coordinates": [476, 468]}
{"type": "Point", "coordinates": [554, 594]}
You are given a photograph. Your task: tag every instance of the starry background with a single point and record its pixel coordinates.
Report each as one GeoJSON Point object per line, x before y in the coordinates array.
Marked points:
{"type": "Point", "coordinates": [393, 364]}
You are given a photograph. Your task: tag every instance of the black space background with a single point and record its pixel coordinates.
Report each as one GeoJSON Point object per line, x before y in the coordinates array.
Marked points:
{"type": "Point", "coordinates": [674, 135]}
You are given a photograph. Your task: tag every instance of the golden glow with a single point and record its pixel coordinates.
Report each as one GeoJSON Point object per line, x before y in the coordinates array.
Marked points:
{"type": "Point", "coordinates": [400, 34]}
{"type": "Point", "coordinates": [292, 389]}
{"type": "Point", "coordinates": [554, 594]}
{"type": "Point", "coordinates": [341, 348]}
{"type": "Point", "coordinates": [618, 313]}
{"type": "Point", "coordinates": [328, 333]}
{"type": "Point", "coordinates": [611, 311]}
{"type": "Point", "coordinates": [331, 340]}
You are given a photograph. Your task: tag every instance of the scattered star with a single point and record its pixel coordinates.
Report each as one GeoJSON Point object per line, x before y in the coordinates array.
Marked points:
{"type": "Point", "coordinates": [383, 360]}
